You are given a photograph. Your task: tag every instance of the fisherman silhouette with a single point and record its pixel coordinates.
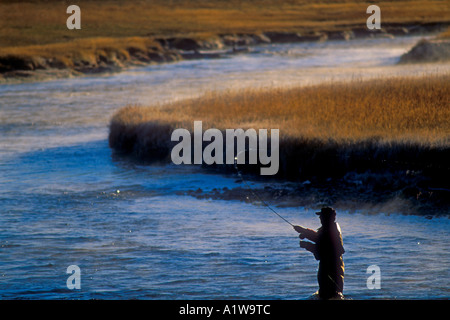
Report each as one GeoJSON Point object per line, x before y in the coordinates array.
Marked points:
{"type": "Point", "coordinates": [327, 247]}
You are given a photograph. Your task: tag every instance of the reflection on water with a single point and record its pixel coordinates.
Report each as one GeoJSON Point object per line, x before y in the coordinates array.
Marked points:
{"type": "Point", "coordinates": [65, 199]}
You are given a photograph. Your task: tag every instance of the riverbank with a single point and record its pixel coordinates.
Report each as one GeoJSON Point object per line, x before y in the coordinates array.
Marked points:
{"type": "Point", "coordinates": [109, 55]}
{"type": "Point", "coordinates": [435, 50]}
{"type": "Point", "coordinates": [380, 139]}
{"type": "Point", "coordinates": [116, 36]}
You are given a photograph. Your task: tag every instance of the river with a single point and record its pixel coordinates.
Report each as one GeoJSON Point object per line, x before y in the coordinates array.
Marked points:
{"type": "Point", "coordinates": [66, 199]}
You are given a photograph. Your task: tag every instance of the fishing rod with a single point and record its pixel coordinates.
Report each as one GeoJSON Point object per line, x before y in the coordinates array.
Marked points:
{"type": "Point", "coordinates": [253, 192]}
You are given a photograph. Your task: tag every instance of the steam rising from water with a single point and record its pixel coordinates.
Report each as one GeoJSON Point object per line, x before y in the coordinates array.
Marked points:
{"type": "Point", "coordinates": [60, 205]}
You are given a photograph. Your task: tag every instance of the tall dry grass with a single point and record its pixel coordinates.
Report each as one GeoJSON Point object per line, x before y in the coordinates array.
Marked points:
{"type": "Point", "coordinates": [25, 24]}
{"type": "Point", "coordinates": [326, 130]}
{"type": "Point", "coordinates": [410, 110]}
{"type": "Point", "coordinates": [33, 34]}
{"type": "Point", "coordinates": [79, 53]}
{"type": "Point", "coordinates": [377, 139]}
{"type": "Point", "coordinates": [40, 22]}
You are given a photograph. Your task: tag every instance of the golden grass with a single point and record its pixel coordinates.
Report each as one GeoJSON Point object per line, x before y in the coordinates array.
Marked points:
{"type": "Point", "coordinates": [391, 135]}
{"type": "Point", "coordinates": [87, 50]}
{"type": "Point", "coordinates": [37, 22]}
{"type": "Point", "coordinates": [33, 34]}
{"type": "Point", "coordinates": [413, 110]}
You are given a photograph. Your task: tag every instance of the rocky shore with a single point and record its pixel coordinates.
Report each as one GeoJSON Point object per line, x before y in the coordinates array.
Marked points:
{"type": "Point", "coordinates": [33, 67]}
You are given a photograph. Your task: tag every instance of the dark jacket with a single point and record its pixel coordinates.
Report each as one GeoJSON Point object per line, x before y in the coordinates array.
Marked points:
{"type": "Point", "coordinates": [328, 248]}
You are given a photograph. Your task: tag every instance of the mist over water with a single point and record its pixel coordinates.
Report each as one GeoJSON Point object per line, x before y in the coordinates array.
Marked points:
{"type": "Point", "coordinates": [66, 199]}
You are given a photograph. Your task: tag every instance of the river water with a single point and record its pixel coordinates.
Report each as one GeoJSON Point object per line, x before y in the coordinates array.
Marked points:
{"type": "Point", "coordinates": [66, 199]}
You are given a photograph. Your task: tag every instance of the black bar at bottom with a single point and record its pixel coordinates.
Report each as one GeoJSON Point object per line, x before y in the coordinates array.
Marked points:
{"type": "Point", "coordinates": [222, 309]}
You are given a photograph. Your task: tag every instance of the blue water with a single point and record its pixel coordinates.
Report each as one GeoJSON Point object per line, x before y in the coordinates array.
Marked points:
{"type": "Point", "coordinates": [66, 199]}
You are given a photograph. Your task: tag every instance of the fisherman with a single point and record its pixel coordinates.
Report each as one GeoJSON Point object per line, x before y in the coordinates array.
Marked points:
{"type": "Point", "coordinates": [327, 247]}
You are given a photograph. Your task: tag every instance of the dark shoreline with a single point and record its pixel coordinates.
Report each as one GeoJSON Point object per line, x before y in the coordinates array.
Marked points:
{"type": "Point", "coordinates": [340, 194]}
{"type": "Point", "coordinates": [171, 49]}
{"type": "Point", "coordinates": [372, 171]}
{"type": "Point", "coordinates": [392, 179]}
{"type": "Point", "coordinates": [397, 192]}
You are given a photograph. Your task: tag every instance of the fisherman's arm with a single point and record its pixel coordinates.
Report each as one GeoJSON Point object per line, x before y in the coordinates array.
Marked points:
{"type": "Point", "coordinates": [306, 233]}
{"type": "Point", "coordinates": [311, 247]}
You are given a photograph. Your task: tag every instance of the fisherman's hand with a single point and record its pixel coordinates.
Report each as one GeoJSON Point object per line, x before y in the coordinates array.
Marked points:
{"type": "Point", "coordinates": [299, 229]}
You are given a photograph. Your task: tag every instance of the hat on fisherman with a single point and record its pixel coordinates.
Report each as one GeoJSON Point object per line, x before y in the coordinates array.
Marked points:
{"type": "Point", "coordinates": [327, 212]}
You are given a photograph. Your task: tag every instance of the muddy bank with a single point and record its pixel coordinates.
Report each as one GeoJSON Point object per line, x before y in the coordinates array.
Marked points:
{"type": "Point", "coordinates": [353, 192]}
{"type": "Point", "coordinates": [107, 59]}
{"type": "Point", "coordinates": [99, 59]}
{"type": "Point", "coordinates": [428, 51]}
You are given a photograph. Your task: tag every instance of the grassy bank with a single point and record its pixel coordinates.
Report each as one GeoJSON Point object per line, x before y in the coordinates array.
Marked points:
{"type": "Point", "coordinates": [85, 55]}
{"type": "Point", "coordinates": [384, 136]}
{"type": "Point", "coordinates": [33, 34]}
{"type": "Point", "coordinates": [435, 50]}
{"type": "Point", "coordinates": [42, 22]}
{"type": "Point", "coordinates": [408, 110]}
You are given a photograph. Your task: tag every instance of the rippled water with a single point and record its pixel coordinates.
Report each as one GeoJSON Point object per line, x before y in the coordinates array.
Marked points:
{"type": "Point", "coordinates": [65, 199]}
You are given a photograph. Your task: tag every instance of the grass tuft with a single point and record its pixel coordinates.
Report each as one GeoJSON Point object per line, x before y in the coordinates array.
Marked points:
{"type": "Point", "coordinates": [379, 138]}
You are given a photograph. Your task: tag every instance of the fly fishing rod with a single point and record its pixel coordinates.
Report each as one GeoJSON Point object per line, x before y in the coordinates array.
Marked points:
{"type": "Point", "coordinates": [253, 192]}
